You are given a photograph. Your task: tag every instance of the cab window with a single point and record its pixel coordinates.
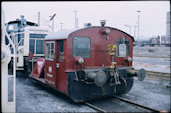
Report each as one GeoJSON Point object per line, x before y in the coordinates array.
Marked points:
{"type": "Point", "coordinates": [60, 50]}
{"type": "Point", "coordinates": [122, 47]}
{"type": "Point", "coordinates": [81, 47]}
{"type": "Point", "coordinates": [50, 50]}
{"type": "Point", "coordinates": [36, 43]}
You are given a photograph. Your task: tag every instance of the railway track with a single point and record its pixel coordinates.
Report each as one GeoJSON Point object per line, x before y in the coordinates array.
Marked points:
{"type": "Point", "coordinates": [131, 102]}
{"type": "Point", "coordinates": [158, 74]}
{"type": "Point", "coordinates": [95, 107]}
{"type": "Point", "coordinates": [102, 109]}
{"type": "Point", "coordinates": [151, 56]}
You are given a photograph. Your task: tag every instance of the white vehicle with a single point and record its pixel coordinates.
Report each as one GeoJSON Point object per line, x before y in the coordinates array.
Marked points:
{"type": "Point", "coordinates": [32, 41]}
{"type": "Point", "coordinates": [28, 38]}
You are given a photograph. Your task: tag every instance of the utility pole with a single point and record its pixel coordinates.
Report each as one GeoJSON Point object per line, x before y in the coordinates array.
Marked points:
{"type": "Point", "coordinates": [138, 26]}
{"type": "Point", "coordinates": [61, 25]}
{"type": "Point", "coordinates": [53, 25]}
{"type": "Point", "coordinates": [129, 28]}
{"type": "Point", "coordinates": [135, 31]}
{"type": "Point", "coordinates": [76, 19]}
{"type": "Point", "coordinates": [52, 18]}
{"type": "Point", "coordinates": [38, 18]}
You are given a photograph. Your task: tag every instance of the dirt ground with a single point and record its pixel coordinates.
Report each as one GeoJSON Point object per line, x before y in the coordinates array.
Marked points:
{"type": "Point", "coordinates": [33, 97]}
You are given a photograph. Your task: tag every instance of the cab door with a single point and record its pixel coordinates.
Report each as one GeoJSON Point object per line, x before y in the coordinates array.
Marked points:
{"type": "Point", "coordinates": [50, 63]}
{"type": "Point", "coordinates": [60, 66]}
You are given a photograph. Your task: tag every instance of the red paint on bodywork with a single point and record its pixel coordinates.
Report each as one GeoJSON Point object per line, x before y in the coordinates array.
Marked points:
{"type": "Point", "coordinates": [99, 56]}
{"type": "Point", "coordinates": [59, 78]}
{"type": "Point", "coordinates": [38, 67]}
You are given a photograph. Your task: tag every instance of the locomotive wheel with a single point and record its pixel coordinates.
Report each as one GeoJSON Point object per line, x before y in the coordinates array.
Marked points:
{"type": "Point", "coordinates": [124, 88]}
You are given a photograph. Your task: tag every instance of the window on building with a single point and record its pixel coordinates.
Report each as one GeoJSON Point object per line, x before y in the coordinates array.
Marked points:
{"type": "Point", "coordinates": [81, 47]}
{"type": "Point", "coordinates": [122, 47]}
{"type": "Point", "coordinates": [50, 50]}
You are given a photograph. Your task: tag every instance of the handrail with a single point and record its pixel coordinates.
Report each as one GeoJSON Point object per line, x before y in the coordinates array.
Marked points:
{"type": "Point", "coordinates": [19, 43]}
{"type": "Point", "coordinates": [7, 105]}
{"type": "Point", "coordinates": [13, 35]}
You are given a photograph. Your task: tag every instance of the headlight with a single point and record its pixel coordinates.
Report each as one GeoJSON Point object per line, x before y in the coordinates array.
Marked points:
{"type": "Point", "coordinates": [129, 59]}
{"type": "Point", "coordinates": [79, 59]}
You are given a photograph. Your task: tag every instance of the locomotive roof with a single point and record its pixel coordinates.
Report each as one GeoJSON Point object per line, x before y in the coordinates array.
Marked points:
{"type": "Point", "coordinates": [27, 22]}
{"type": "Point", "coordinates": [63, 34]}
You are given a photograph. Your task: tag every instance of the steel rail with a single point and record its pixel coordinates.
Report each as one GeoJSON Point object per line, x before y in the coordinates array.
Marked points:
{"type": "Point", "coordinates": [158, 74]}
{"type": "Point", "coordinates": [151, 56]}
{"type": "Point", "coordinates": [95, 107]}
{"type": "Point", "coordinates": [143, 106]}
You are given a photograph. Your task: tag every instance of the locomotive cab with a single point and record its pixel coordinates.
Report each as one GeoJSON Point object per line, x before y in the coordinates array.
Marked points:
{"type": "Point", "coordinates": [88, 63]}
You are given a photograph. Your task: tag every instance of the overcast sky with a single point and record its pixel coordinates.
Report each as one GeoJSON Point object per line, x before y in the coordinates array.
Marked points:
{"type": "Point", "coordinates": [117, 14]}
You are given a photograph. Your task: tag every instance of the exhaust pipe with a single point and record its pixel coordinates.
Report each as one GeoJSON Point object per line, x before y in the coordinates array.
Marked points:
{"type": "Point", "coordinates": [139, 74]}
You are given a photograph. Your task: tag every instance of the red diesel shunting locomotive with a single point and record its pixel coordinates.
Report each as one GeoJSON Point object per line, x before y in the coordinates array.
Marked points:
{"type": "Point", "coordinates": [88, 63]}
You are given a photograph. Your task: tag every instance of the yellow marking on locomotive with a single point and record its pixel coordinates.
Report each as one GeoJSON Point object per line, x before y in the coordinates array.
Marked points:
{"type": "Point", "coordinates": [111, 52]}
{"type": "Point", "coordinates": [111, 49]}
{"type": "Point", "coordinates": [113, 65]}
